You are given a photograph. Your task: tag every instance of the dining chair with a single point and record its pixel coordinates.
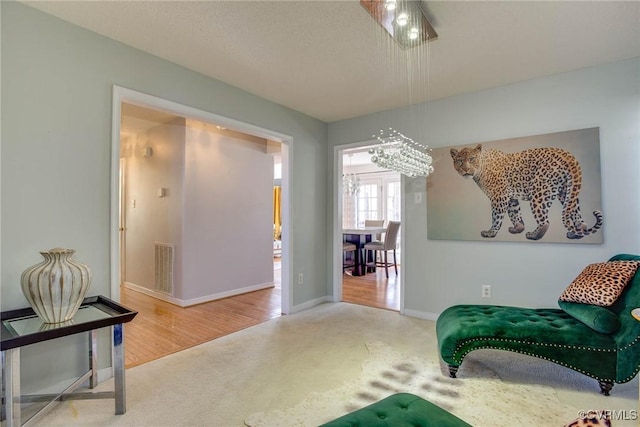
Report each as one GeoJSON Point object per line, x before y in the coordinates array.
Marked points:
{"type": "Point", "coordinates": [348, 247]}
{"type": "Point", "coordinates": [374, 223]}
{"type": "Point", "coordinates": [388, 244]}
{"type": "Point", "coordinates": [378, 237]}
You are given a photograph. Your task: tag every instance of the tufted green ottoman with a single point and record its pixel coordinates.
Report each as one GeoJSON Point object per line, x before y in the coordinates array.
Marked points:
{"type": "Point", "coordinates": [399, 410]}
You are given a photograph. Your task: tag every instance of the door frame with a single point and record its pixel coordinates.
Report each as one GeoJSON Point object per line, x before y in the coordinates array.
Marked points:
{"type": "Point", "coordinates": [122, 221]}
{"type": "Point", "coordinates": [120, 95]}
{"type": "Point", "coordinates": [338, 166]}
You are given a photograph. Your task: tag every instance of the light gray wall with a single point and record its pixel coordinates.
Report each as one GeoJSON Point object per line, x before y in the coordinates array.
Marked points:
{"type": "Point", "coordinates": [57, 81]}
{"type": "Point", "coordinates": [441, 273]}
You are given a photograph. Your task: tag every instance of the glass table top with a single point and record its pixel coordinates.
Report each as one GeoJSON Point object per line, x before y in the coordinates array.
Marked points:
{"type": "Point", "coordinates": [33, 324]}
{"type": "Point", "coordinates": [23, 327]}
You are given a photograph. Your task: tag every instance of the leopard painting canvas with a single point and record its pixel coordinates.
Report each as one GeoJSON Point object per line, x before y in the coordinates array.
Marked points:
{"type": "Point", "coordinates": [539, 185]}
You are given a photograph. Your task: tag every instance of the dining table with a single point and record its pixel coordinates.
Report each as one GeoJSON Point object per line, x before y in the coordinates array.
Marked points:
{"type": "Point", "coordinates": [360, 236]}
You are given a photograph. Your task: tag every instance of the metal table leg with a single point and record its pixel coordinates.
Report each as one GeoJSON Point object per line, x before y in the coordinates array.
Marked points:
{"type": "Point", "coordinates": [93, 358]}
{"type": "Point", "coordinates": [11, 374]}
{"type": "Point", "coordinates": [118, 368]}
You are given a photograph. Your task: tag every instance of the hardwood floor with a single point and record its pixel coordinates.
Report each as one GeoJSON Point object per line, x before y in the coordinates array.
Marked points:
{"type": "Point", "coordinates": [373, 289]}
{"type": "Point", "coordinates": [161, 328]}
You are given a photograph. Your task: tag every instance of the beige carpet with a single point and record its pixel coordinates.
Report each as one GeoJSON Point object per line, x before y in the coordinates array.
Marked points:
{"type": "Point", "coordinates": [479, 396]}
{"type": "Point", "coordinates": [318, 364]}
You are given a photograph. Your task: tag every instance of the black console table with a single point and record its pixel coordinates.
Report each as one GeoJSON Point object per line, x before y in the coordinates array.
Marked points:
{"type": "Point", "coordinates": [23, 327]}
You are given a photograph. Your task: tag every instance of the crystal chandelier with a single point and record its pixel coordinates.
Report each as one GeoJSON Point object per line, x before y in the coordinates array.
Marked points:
{"type": "Point", "coordinates": [407, 24]}
{"type": "Point", "coordinates": [401, 154]}
{"type": "Point", "coordinates": [350, 181]}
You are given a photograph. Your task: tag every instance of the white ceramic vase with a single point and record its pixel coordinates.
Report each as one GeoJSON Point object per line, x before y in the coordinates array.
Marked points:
{"type": "Point", "coordinates": [56, 287]}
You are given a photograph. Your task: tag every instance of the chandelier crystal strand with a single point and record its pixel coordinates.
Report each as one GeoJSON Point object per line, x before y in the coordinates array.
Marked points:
{"type": "Point", "coordinates": [397, 152]}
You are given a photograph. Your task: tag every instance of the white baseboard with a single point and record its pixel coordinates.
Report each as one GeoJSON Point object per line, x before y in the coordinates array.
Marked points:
{"type": "Point", "coordinates": [309, 304]}
{"type": "Point", "coordinates": [199, 300]}
{"type": "Point", "coordinates": [420, 314]}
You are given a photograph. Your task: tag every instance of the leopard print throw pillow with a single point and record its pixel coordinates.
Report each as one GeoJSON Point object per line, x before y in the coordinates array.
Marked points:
{"type": "Point", "coordinates": [600, 284]}
{"type": "Point", "coordinates": [604, 420]}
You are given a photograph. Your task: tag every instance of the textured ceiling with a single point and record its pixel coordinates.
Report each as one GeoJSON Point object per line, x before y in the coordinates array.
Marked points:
{"type": "Point", "coordinates": [328, 59]}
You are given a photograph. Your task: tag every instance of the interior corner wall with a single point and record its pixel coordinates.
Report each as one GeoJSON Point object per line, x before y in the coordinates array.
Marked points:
{"type": "Point", "coordinates": [228, 214]}
{"type": "Point", "coordinates": [57, 84]}
{"type": "Point", "coordinates": [440, 273]}
{"type": "Point", "coordinates": [151, 218]}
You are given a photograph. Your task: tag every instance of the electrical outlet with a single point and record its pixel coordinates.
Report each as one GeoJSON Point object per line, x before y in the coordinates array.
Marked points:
{"type": "Point", "coordinates": [300, 278]}
{"type": "Point", "coordinates": [486, 291]}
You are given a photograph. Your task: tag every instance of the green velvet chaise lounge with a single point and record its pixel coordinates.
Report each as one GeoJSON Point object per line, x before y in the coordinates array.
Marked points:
{"type": "Point", "coordinates": [604, 344]}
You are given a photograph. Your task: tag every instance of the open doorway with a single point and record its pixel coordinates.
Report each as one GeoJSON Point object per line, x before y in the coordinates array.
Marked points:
{"type": "Point", "coordinates": [371, 197]}
{"type": "Point", "coordinates": [165, 262]}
